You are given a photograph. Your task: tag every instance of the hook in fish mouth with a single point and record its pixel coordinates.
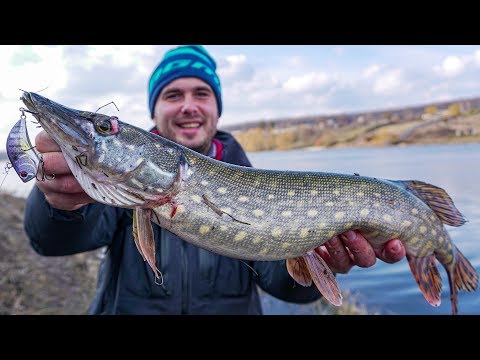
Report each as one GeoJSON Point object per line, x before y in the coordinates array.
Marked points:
{"type": "Point", "coordinates": [26, 110]}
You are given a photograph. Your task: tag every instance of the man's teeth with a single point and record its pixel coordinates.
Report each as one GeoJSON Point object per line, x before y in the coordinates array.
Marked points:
{"type": "Point", "coordinates": [190, 126]}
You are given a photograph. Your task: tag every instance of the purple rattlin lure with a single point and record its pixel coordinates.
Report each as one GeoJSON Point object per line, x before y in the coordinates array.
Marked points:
{"type": "Point", "coordinates": [23, 156]}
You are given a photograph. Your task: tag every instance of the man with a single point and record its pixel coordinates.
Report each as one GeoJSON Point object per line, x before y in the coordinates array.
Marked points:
{"type": "Point", "coordinates": [185, 103]}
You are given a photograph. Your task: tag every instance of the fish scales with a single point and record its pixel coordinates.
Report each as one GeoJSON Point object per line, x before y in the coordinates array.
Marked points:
{"type": "Point", "coordinates": [255, 214]}
{"type": "Point", "coordinates": [290, 212]}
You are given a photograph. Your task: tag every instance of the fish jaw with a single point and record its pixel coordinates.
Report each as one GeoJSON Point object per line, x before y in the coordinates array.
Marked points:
{"type": "Point", "coordinates": [71, 129]}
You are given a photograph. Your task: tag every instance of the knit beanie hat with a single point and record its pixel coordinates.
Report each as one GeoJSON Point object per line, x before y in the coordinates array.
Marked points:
{"type": "Point", "coordinates": [184, 61]}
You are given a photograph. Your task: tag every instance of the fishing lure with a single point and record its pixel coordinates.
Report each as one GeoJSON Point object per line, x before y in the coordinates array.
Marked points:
{"type": "Point", "coordinates": [24, 158]}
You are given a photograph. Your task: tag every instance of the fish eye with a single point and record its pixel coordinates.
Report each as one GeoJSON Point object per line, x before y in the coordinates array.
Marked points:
{"type": "Point", "coordinates": [109, 126]}
{"type": "Point", "coordinates": [103, 126]}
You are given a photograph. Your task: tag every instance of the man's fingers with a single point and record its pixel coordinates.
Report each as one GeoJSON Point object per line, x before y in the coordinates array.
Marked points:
{"type": "Point", "coordinates": [339, 259]}
{"type": "Point", "coordinates": [361, 250]}
{"type": "Point", "coordinates": [62, 184]}
{"type": "Point", "coordinates": [55, 163]}
{"type": "Point", "coordinates": [44, 143]}
{"type": "Point", "coordinates": [68, 202]}
{"type": "Point", "coordinates": [391, 252]}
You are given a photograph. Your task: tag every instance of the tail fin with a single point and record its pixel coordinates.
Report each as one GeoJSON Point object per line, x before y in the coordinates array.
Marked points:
{"type": "Point", "coordinates": [462, 276]}
{"type": "Point", "coordinates": [466, 277]}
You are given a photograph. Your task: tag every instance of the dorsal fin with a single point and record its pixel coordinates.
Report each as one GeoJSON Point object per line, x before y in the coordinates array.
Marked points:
{"type": "Point", "coordinates": [437, 199]}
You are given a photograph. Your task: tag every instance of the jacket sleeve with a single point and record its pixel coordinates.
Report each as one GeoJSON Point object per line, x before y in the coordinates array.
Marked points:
{"type": "Point", "coordinates": [274, 278]}
{"type": "Point", "coordinates": [54, 232]}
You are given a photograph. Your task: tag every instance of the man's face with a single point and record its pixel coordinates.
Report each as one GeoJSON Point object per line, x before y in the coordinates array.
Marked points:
{"type": "Point", "coordinates": [186, 112]}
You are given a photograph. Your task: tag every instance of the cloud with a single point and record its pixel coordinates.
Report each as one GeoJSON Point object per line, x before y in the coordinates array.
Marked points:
{"type": "Point", "coordinates": [296, 61]}
{"type": "Point", "coordinates": [451, 66]}
{"type": "Point", "coordinates": [388, 82]}
{"type": "Point", "coordinates": [257, 81]}
{"type": "Point", "coordinates": [476, 57]}
{"type": "Point", "coordinates": [370, 71]}
{"type": "Point", "coordinates": [308, 82]}
{"type": "Point", "coordinates": [235, 68]}
{"type": "Point", "coordinates": [31, 68]}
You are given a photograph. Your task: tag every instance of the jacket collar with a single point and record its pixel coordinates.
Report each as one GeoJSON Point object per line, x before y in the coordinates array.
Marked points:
{"type": "Point", "coordinates": [216, 144]}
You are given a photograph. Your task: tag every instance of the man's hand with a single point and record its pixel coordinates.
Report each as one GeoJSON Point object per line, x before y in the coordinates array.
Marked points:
{"type": "Point", "coordinates": [342, 252]}
{"type": "Point", "coordinates": [63, 192]}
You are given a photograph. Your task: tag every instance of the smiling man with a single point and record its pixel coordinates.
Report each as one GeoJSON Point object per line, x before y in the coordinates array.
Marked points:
{"type": "Point", "coordinates": [185, 97]}
{"type": "Point", "coordinates": [186, 112]}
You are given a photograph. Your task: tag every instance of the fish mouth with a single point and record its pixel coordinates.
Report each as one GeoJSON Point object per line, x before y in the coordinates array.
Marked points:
{"type": "Point", "coordinates": [63, 124]}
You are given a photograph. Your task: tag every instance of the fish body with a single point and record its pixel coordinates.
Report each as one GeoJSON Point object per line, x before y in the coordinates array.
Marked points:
{"type": "Point", "coordinates": [22, 155]}
{"type": "Point", "coordinates": [255, 214]}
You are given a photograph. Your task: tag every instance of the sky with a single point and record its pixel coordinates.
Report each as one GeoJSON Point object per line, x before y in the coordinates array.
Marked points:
{"type": "Point", "coordinates": [259, 82]}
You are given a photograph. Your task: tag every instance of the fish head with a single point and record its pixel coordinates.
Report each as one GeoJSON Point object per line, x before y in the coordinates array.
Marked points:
{"type": "Point", "coordinates": [114, 162]}
{"type": "Point", "coordinates": [73, 130]}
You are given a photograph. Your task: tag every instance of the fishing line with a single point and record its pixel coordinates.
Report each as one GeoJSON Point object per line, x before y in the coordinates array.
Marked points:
{"type": "Point", "coordinates": [7, 167]}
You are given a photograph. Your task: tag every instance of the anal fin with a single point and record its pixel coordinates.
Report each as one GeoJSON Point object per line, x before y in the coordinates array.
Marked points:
{"type": "Point", "coordinates": [425, 272]}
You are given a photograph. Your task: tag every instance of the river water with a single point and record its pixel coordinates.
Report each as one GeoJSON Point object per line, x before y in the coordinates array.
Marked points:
{"type": "Point", "coordinates": [382, 288]}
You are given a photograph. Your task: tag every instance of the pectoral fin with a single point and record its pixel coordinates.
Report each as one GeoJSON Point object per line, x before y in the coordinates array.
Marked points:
{"type": "Point", "coordinates": [298, 270]}
{"type": "Point", "coordinates": [144, 239]}
{"type": "Point", "coordinates": [135, 234]}
{"type": "Point", "coordinates": [425, 272]}
{"type": "Point", "coordinates": [323, 277]}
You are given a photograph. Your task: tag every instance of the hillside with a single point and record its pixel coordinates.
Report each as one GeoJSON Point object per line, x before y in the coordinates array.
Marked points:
{"type": "Point", "coordinates": [32, 284]}
{"type": "Point", "coordinates": [441, 129]}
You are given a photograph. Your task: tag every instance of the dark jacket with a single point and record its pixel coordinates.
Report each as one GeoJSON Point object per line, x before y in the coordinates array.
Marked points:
{"type": "Point", "coordinates": [195, 281]}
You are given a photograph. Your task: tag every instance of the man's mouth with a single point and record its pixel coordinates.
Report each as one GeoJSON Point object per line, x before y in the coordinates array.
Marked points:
{"type": "Point", "coordinates": [190, 125]}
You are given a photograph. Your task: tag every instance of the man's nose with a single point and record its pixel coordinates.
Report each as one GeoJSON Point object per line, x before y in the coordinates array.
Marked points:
{"type": "Point", "coordinates": [189, 105]}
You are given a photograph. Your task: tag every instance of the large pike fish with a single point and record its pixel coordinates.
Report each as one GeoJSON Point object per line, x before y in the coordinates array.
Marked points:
{"type": "Point", "coordinates": [254, 214]}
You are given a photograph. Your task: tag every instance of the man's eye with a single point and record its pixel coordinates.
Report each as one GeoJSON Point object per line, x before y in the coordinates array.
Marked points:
{"type": "Point", "coordinates": [171, 96]}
